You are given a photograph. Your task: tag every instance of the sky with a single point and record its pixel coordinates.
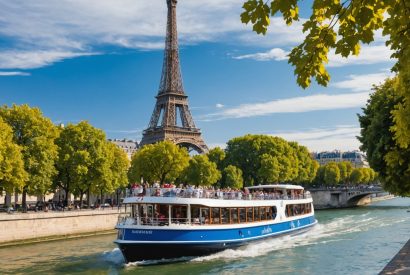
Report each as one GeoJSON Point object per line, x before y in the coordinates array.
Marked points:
{"type": "Point", "coordinates": [101, 61]}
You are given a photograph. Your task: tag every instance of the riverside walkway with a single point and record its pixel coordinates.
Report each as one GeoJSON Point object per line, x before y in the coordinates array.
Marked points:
{"type": "Point", "coordinates": [400, 264]}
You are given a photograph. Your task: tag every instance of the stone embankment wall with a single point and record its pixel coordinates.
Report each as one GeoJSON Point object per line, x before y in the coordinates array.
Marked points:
{"type": "Point", "coordinates": [18, 227]}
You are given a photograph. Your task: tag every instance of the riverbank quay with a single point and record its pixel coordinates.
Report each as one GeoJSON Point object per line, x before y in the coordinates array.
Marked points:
{"type": "Point", "coordinates": [400, 264]}
{"type": "Point", "coordinates": [22, 228]}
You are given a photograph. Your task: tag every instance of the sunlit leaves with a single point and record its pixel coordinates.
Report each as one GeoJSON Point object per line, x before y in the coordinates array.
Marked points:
{"type": "Point", "coordinates": [335, 25]}
{"type": "Point", "coordinates": [35, 134]}
{"type": "Point", "coordinates": [12, 173]}
{"type": "Point", "coordinates": [389, 159]}
{"type": "Point", "coordinates": [160, 162]}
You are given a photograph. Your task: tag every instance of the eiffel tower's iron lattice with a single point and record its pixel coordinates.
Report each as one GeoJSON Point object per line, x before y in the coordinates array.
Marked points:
{"type": "Point", "coordinates": [171, 98]}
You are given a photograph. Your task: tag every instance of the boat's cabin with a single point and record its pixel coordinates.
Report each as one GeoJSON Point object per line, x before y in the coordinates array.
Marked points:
{"type": "Point", "coordinates": [261, 204]}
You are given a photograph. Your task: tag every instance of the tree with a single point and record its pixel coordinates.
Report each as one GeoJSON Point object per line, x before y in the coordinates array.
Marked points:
{"type": "Point", "coordinates": [201, 171]}
{"type": "Point", "coordinates": [83, 164]}
{"type": "Point", "coordinates": [269, 170]}
{"type": "Point", "coordinates": [246, 153]}
{"type": "Point", "coordinates": [35, 134]}
{"type": "Point", "coordinates": [331, 174]}
{"type": "Point", "coordinates": [307, 166]}
{"type": "Point", "coordinates": [390, 159]}
{"type": "Point", "coordinates": [339, 25]}
{"type": "Point", "coordinates": [233, 177]}
{"type": "Point", "coordinates": [162, 161]}
{"type": "Point", "coordinates": [345, 168]}
{"type": "Point", "coordinates": [119, 167]}
{"type": "Point", "coordinates": [343, 26]}
{"type": "Point", "coordinates": [12, 173]}
{"type": "Point", "coordinates": [217, 155]}
{"type": "Point", "coordinates": [356, 176]}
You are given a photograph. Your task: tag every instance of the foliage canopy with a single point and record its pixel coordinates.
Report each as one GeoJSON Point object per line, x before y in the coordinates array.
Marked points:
{"type": "Point", "coordinates": [389, 158]}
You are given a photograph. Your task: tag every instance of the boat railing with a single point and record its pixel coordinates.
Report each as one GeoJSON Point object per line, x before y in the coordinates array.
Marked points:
{"type": "Point", "coordinates": [212, 194]}
{"type": "Point", "coordinates": [155, 221]}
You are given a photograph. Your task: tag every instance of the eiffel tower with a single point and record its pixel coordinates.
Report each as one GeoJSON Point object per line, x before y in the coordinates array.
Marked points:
{"type": "Point", "coordinates": [171, 99]}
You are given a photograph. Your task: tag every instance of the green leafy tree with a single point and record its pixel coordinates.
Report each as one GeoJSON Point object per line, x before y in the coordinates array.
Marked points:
{"type": "Point", "coordinates": [35, 134]}
{"type": "Point", "coordinates": [356, 177]}
{"type": "Point", "coordinates": [343, 26]}
{"type": "Point", "coordinates": [390, 159]}
{"type": "Point", "coordinates": [339, 25]}
{"type": "Point", "coordinates": [83, 164]}
{"type": "Point", "coordinates": [159, 162]}
{"type": "Point", "coordinates": [269, 170]}
{"type": "Point", "coordinates": [331, 174]}
{"type": "Point", "coordinates": [201, 171]}
{"type": "Point", "coordinates": [119, 167]}
{"type": "Point", "coordinates": [233, 177]}
{"type": "Point", "coordinates": [366, 175]}
{"type": "Point", "coordinates": [345, 168]}
{"type": "Point", "coordinates": [12, 173]}
{"type": "Point", "coordinates": [320, 176]}
{"type": "Point", "coordinates": [307, 166]}
{"type": "Point", "coordinates": [217, 155]}
{"type": "Point", "coordinates": [246, 153]}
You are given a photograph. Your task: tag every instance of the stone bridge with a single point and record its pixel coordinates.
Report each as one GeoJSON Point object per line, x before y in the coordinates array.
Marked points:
{"type": "Point", "coordinates": [324, 198]}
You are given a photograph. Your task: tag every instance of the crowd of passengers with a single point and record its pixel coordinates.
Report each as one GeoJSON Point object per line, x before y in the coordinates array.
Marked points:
{"type": "Point", "coordinates": [190, 191]}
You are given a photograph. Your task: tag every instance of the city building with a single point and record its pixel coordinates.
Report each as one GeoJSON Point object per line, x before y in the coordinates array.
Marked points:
{"type": "Point", "coordinates": [129, 146]}
{"type": "Point", "coordinates": [358, 159]}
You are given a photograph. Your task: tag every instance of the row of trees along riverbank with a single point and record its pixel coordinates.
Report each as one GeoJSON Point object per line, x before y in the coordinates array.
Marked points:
{"type": "Point", "coordinates": [246, 161]}
{"type": "Point", "coordinates": [38, 157]}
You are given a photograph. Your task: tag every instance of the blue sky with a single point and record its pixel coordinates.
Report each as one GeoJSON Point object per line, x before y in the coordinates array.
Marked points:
{"type": "Point", "coordinates": [101, 61]}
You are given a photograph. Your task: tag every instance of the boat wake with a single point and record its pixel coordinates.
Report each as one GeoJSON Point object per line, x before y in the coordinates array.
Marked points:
{"type": "Point", "coordinates": [338, 229]}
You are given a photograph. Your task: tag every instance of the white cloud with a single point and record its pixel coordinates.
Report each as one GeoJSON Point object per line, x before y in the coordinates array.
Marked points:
{"type": "Point", "coordinates": [14, 73]}
{"type": "Point", "coordinates": [310, 103]}
{"type": "Point", "coordinates": [274, 54]}
{"type": "Point", "coordinates": [364, 82]}
{"type": "Point", "coordinates": [77, 26]}
{"type": "Point", "coordinates": [213, 145]}
{"type": "Point", "coordinates": [34, 59]}
{"type": "Point", "coordinates": [341, 137]}
{"type": "Point", "coordinates": [369, 54]}
{"type": "Point", "coordinates": [219, 105]}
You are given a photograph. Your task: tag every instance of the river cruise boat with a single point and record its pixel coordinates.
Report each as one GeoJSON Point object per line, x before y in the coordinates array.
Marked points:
{"type": "Point", "coordinates": [164, 223]}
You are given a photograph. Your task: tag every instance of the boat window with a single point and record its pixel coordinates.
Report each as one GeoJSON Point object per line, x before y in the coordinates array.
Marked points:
{"type": "Point", "coordinates": [298, 209]}
{"type": "Point", "coordinates": [234, 215]}
{"type": "Point", "coordinates": [216, 215]}
{"type": "Point", "coordinates": [225, 215]}
{"type": "Point", "coordinates": [242, 215]}
{"type": "Point", "coordinates": [263, 213]}
{"type": "Point", "coordinates": [179, 214]}
{"type": "Point", "coordinates": [249, 214]}
{"type": "Point", "coordinates": [273, 212]}
{"type": "Point", "coordinates": [204, 218]}
{"type": "Point", "coordinates": [256, 214]}
{"type": "Point", "coordinates": [195, 214]}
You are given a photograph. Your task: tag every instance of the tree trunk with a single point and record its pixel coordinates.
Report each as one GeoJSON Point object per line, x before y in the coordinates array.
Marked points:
{"type": "Point", "coordinates": [102, 197]}
{"type": "Point", "coordinates": [88, 198]}
{"type": "Point", "coordinates": [23, 200]}
{"type": "Point", "coordinates": [66, 191]}
{"type": "Point", "coordinates": [81, 199]}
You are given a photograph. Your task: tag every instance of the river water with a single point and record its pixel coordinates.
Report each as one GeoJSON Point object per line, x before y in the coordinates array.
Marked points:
{"type": "Point", "coordinates": [349, 241]}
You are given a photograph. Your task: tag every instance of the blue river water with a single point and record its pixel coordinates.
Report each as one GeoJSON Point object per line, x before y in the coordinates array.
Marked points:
{"type": "Point", "coordinates": [349, 241]}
